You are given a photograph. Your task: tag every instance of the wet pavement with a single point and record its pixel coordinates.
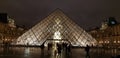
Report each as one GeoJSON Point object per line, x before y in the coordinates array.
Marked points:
{"type": "Point", "coordinates": [36, 52]}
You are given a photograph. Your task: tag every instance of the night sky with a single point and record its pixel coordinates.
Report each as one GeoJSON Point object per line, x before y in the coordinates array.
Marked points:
{"type": "Point", "coordinates": [86, 13]}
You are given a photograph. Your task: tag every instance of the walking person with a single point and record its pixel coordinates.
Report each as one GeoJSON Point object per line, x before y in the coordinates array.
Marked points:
{"type": "Point", "coordinates": [87, 49]}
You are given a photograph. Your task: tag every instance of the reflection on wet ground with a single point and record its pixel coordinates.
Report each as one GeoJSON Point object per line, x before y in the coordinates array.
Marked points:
{"type": "Point", "coordinates": [36, 52]}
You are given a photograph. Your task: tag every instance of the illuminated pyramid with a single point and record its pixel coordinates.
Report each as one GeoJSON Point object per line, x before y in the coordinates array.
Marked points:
{"type": "Point", "coordinates": [56, 26]}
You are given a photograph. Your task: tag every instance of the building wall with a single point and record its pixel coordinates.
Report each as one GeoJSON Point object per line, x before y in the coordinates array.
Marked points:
{"type": "Point", "coordinates": [9, 34]}
{"type": "Point", "coordinates": [107, 37]}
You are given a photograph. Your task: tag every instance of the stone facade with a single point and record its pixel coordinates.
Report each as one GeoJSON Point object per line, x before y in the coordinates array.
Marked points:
{"type": "Point", "coordinates": [9, 33]}
{"type": "Point", "coordinates": [110, 36]}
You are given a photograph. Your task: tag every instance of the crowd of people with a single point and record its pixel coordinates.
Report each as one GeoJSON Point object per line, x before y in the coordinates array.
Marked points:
{"type": "Point", "coordinates": [66, 47]}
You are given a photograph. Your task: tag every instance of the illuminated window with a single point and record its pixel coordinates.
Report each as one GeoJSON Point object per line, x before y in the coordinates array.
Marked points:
{"type": "Point", "coordinates": [106, 41]}
{"type": "Point", "coordinates": [100, 41]}
{"type": "Point", "coordinates": [118, 41]}
{"type": "Point", "coordinates": [114, 41]}
{"type": "Point", "coordinates": [112, 22]}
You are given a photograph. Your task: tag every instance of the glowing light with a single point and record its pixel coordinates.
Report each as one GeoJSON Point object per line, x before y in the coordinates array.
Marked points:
{"type": "Point", "coordinates": [27, 51]}
{"type": "Point", "coordinates": [100, 41]}
{"type": "Point", "coordinates": [118, 41]}
{"type": "Point", "coordinates": [57, 21]}
{"type": "Point", "coordinates": [28, 41]}
{"type": "Point", "coordinates": [114, 41]}
{"type": "Point", "coordinates": [108, 42]}
{"type": "Point", "coordinates": [57, 35]}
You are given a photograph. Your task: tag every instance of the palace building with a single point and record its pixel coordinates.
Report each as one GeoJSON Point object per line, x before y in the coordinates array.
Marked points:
{"type": "Point", "coordinates": [8, 30]}
{"type": "Point", "coordinates": [109, 33]}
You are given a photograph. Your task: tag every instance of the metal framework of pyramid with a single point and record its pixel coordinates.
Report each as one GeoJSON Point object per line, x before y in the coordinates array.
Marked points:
{"type": "Point", "coordinates": [56, 26]}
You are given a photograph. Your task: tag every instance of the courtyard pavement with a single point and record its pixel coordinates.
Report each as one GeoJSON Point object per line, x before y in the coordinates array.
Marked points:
{"type": "Point", "coordinates": [33, 52]}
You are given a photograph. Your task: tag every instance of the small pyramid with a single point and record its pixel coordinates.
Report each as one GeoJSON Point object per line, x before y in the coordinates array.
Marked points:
{"type": "Point", "coordinates": [56, 26]}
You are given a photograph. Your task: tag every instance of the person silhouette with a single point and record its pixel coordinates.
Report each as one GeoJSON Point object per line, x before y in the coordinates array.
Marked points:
{"type": "Point", "coordinates": [87, 49]}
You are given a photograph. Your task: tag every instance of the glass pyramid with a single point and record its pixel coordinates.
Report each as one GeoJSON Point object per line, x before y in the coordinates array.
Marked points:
{"type": "Point", "coordinates": [56, 26]}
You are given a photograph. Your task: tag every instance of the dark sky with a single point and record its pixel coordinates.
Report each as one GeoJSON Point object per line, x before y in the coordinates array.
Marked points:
{"type": "Point", "coordinates": [86, 13]}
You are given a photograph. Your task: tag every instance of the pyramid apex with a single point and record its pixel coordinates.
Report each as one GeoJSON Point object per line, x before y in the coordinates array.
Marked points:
{"type": "Point", "coordinates": [58, 10]}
